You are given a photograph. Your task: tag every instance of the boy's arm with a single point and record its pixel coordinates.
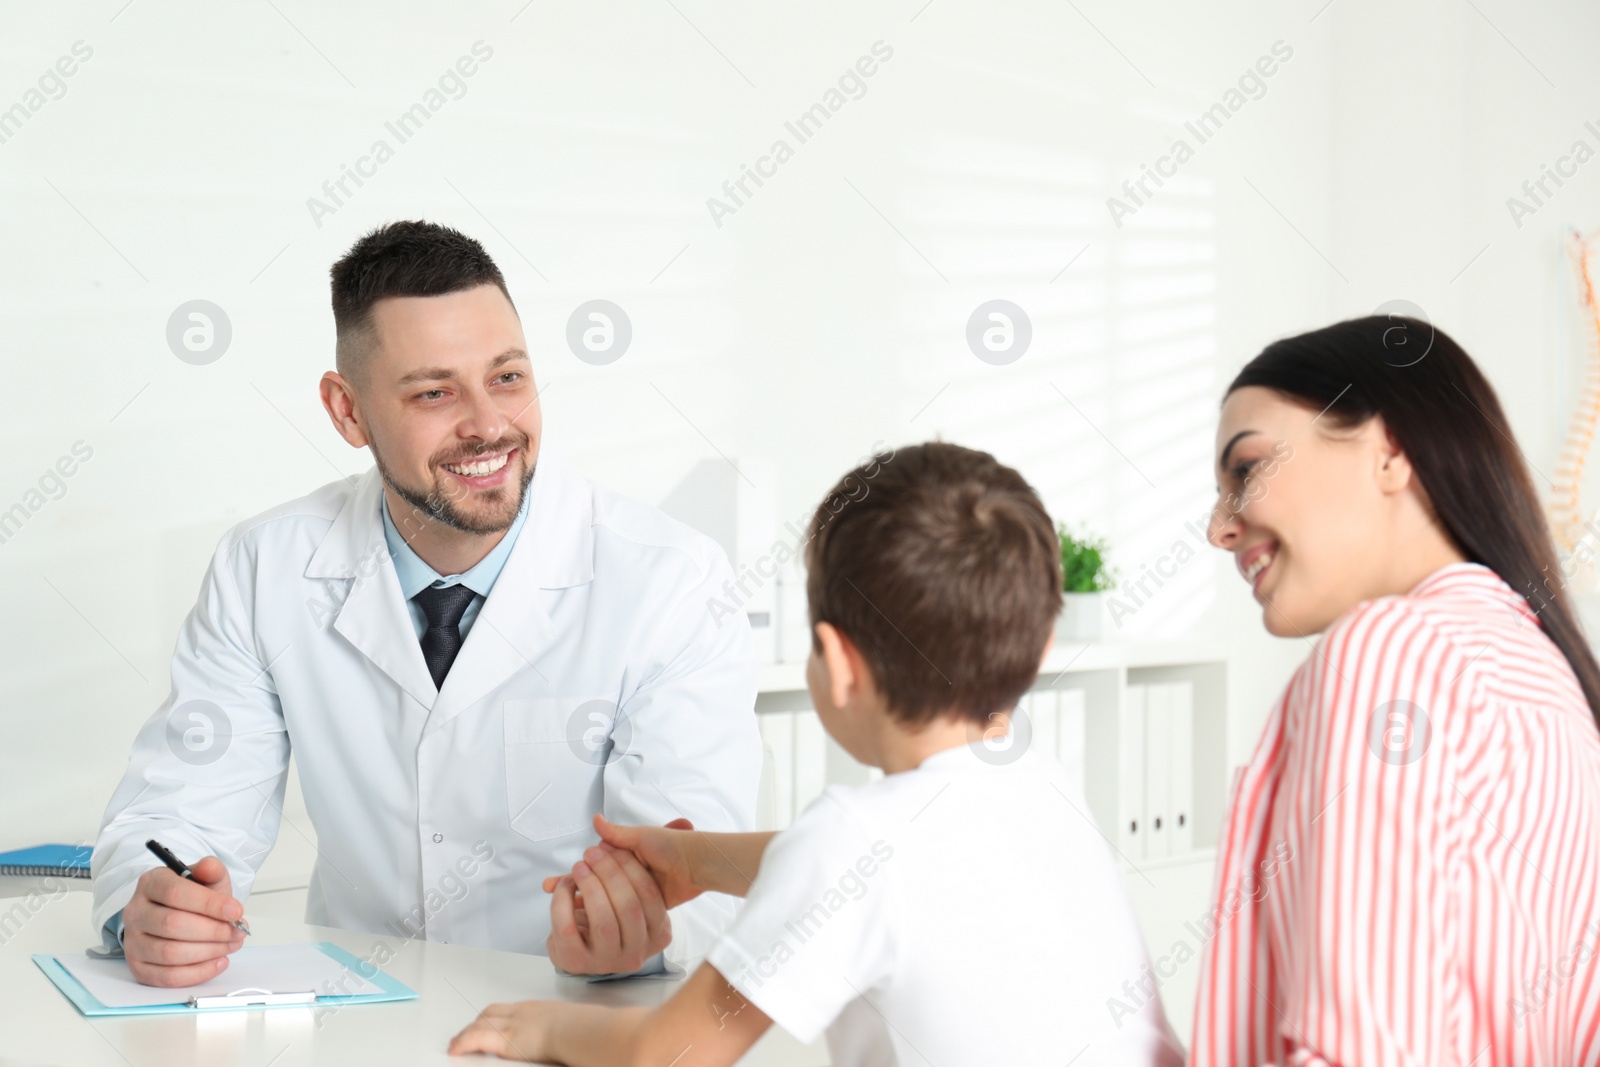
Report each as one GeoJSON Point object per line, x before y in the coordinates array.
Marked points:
{"type": "Point", "coordinates": [685, 742]}
{"type": "Point", "coordinates": [683, 861]}
{"type": "Point", "coordinates": [707, 1023]}
{"type": "Point", "coordinates": [723, 863]}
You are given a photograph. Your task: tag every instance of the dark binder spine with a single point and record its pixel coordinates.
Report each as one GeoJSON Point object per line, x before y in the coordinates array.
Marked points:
{"type": "Point", "coordinates": [9, 870]}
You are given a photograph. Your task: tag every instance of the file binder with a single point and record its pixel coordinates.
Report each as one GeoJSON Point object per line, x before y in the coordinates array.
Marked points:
{"type": "Point", "coordinates": [1130, 766]}
{"type": "Point", "coordinates": [1157, 771]}
{"type": "Point", "coordinates": [1181, 801]}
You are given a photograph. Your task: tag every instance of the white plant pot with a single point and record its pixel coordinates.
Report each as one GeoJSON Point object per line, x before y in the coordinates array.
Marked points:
{"type": "Point", "coordinates": [1082, 618]}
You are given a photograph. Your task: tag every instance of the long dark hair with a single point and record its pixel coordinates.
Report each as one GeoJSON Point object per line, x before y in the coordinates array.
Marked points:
{"type": "Point", "coordinates": [1445, 417]}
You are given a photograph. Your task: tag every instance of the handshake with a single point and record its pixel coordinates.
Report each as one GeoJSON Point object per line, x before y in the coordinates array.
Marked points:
{"type": "Point", "coordinates": [609, 914]}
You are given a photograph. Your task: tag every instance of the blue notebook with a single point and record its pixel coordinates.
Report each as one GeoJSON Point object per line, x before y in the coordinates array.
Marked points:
{"type": "Point", "coordinates": [64, 861]}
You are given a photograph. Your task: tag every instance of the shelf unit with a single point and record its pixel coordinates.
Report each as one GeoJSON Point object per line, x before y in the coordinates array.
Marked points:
{"type": "Point", "coordinates": [1103, 671]}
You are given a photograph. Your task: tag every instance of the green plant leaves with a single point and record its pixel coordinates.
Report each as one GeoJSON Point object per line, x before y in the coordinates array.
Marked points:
{"type": "Point", "coordinates": [1083, 562]}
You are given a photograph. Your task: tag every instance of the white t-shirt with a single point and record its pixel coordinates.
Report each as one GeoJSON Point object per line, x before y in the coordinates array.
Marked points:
{"type": "Point", "coordinates": [957, 914]}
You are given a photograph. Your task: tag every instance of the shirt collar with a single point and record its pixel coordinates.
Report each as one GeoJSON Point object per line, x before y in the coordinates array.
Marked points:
{"type": "Point", "coordinates": [415, 575]}
{"type": "Point", "coordinates": [1472, 580]}
{"type": "Point", "coordinates": [957, 758]}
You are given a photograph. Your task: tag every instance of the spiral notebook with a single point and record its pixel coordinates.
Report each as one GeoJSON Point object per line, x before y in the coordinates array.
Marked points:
{"type": "Point", "coordinates": [42, 861]}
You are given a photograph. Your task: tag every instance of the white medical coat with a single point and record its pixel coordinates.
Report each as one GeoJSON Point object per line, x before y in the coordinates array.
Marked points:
{"type": "Point", "coordinates": [595, 679]}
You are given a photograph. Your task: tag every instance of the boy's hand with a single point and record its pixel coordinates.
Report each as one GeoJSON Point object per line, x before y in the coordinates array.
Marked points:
{"type": "Point", "coordinates": [176, 932]}
{"type": "Point", "coordinates": [557, 1032]}
{"type": "Point", "coordinates": [662, 850]}
{"type": "Point", "coordinates": [510, 1031]}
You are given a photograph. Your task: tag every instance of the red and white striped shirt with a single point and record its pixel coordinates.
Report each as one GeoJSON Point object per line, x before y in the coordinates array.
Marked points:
{"type": "Point", "coordinates": [1410, 870]}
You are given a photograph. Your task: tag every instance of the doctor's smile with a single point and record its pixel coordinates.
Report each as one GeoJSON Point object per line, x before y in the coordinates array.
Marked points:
{"type": "Point", "coordinates": [491, 480]}
{"type": "Point", "coordinates": [481, 472]}
{"type": "Point", "coordinates": [488, 471]}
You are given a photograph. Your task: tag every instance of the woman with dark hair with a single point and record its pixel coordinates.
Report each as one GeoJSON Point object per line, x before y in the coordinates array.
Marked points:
{"type": "Point", "coordinates": [1410, 868]}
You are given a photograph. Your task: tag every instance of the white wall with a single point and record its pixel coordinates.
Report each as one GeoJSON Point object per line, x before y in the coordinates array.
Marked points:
{"type": "Point", "coordinates": [826, 314]}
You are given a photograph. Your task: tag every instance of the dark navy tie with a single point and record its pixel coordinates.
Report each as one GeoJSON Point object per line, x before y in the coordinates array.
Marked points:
{"type": "Point", "coordinates": [443, 608]}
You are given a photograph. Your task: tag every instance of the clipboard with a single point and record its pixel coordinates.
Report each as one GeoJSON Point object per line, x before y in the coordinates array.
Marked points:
{"type": "Point", "coordinates": [387, 989]}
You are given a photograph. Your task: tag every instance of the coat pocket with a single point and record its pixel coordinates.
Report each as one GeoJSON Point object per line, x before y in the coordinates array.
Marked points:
{"type": "Point", "coordinates": [553, 787]}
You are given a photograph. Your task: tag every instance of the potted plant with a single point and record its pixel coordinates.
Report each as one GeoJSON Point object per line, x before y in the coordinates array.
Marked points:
{"type": "Point", "coordinates": [1085, 577]}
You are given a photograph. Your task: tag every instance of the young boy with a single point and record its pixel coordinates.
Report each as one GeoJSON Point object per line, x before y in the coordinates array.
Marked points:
{"type": "Point", "coordinates": [962, 909]}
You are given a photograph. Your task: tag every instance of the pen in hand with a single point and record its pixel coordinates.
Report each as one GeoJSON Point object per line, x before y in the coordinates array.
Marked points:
{"type": "Point", "coordinates": [181, 869]}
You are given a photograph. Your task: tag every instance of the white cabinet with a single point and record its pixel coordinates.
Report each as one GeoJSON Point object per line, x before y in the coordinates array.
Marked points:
{"type": "Point", "coordinates": [1157, 756]}
{"type": "Point", "coordinates": [1141, 727]}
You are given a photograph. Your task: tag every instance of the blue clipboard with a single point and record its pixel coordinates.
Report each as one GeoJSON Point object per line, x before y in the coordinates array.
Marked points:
{"type": "Point", "coordinates": [86, 1003]}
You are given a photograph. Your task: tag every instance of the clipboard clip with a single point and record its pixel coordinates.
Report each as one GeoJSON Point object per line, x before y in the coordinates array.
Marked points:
{"type": "Point", "coordinates": [251, 998]}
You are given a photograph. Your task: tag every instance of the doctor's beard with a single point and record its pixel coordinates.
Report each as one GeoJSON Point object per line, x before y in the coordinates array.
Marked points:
{"type": "Point", "coordinates": [438, 504]}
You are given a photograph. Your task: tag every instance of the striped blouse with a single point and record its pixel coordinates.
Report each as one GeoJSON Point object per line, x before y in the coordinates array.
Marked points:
{"type": "Point", "coordinates": [1410, 868]}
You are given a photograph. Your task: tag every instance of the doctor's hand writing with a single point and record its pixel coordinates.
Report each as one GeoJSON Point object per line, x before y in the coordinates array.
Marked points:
{"type": "Point", "coordinates": [609, 915]}
{"type": "Point", "coordinates": [176, 932]}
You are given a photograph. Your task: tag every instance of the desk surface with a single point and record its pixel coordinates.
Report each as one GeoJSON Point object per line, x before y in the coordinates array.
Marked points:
{"type": "Point", "coordinates": [38, 1026]}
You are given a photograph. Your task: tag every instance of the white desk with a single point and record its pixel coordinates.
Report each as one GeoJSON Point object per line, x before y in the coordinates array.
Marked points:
{"type": "Point", "coordinates": [38, 1025]}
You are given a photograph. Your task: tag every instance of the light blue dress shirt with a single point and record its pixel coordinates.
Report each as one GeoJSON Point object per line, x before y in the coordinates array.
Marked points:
{"type": "Point", "coordinates": [415, 575]}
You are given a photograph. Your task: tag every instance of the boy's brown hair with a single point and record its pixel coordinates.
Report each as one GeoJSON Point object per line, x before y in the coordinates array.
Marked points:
{"type": "Point", "coordinates": [941, 566]}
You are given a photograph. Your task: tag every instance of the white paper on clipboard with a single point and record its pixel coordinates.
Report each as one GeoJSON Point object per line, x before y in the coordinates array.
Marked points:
{"type": "Point", "coordinates": [275, 968]}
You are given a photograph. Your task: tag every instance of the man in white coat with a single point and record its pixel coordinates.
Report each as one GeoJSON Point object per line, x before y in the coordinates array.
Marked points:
{"type": "Point", "coordinates": [470, 650]}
